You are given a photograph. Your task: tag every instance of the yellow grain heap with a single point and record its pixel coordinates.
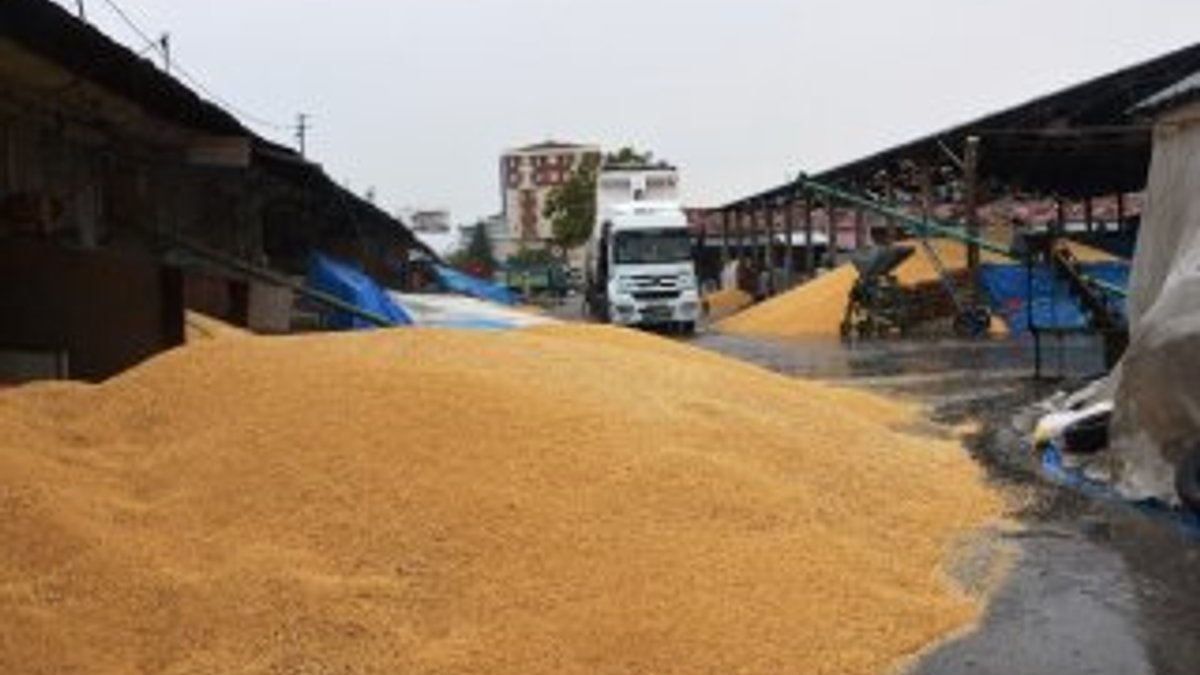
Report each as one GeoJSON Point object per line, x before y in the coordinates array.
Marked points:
{"type": "Point", "coordinates": [555, 500]}
{"type": "Point", "coordinates": [198, 326]}
{"type": "Point", "coordinates": [726, 301]}
{"type": "Point", "coordinates": [817, 307]}
{"type": "Point", "coordinates": [813, 308]}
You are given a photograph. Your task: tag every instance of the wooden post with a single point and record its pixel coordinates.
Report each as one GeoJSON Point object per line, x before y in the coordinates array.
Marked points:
{"type": "Point", "coordinates": [789, 227]}
{"type": "Point", "coordinates": [926, 173]}
{"type": "Point", "coordinates": [810, 254]}
{"type": "Point", "coordinates": [770, 209]}
{"type": "Point", "coordinates": [860, 228]}
{"type": "Point", "coordinates": [736, 215]}
{"type": "Point", "coordinates": [1087, 215]}
{"type": "Point", "coordinates": [756, 228]}
{"type": "Point", "coordinates": [725, 218]}
{"type": "Point", "coordinates": [971, 179]}
{"type": "Point", "coordinates": [890, 191]}
{"type": "Point", "coordinates": [831, 231]}
{"type": "Point", "coordinates": [1121, 212]}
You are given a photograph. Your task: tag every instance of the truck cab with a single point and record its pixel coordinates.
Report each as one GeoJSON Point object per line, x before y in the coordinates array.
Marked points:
{"type": "Point", "coordinates": [639, 266]}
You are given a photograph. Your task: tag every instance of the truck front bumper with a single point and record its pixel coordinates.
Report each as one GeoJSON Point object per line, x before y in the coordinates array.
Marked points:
{"type": "Point", "coordinates": [628, 311]}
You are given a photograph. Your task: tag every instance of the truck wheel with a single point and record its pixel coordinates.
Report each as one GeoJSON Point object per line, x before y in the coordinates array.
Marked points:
{"type": "Point", "coordinates": [1187, 480]}
{"type": "Point", "coordinates": [687, 328]}
{"type": "Point", "coordinates": [972, 322]}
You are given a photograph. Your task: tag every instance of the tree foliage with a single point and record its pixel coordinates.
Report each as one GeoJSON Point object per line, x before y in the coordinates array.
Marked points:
{"type": "Point", "coordinates": [530, 257]}
{"type": "Point", "coordinates": [571, 208]}
{"type": "Point", "coordinates": [477, 258]}
{"type": "Point", "coordinates": [629, 156]}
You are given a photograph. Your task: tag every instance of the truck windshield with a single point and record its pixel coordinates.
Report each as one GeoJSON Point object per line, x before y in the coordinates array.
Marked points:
{"type": "Point", "coordinates": [653, 246]}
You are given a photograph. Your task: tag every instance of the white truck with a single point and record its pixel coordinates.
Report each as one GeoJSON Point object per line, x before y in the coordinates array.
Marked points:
{"type": "Point", "coordinates": [638, 267]}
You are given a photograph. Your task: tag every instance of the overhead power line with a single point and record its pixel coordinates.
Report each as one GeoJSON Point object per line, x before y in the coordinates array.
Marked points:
{"type": "Point", "coordinates": [161, 47]}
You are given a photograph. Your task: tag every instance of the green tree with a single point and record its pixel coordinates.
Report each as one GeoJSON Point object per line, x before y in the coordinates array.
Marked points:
{"type": "Point", "coordinates": [629, 156]}
{"type": "Point", "coordinates": [478, 257]}
{"type": "Point", "coordinates": [571, 208]}
{"type": "Point", "coordinates": [530, 257]}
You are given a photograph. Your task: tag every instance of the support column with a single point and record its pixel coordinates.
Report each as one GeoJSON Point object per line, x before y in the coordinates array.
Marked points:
{"type": "Point", "coordinates": [789, 227]}
{"type": "Point", "coordinates": [860, 228]}
{"type": "Point", "coordinates": [926, 177]}
{"type": "Point", "coordinates": [831, 231]}
{"type": "Point", "coordinates": [725, 218]}
{"type": "Point", "coordinates": [737, 233]}
{"type": "Point", "coordinates": [1121, 212]}
{"type": "Point", "coordinates": [769, 210]}
{"type": "Point", "coordinates": [971, 180]}
{"type": "Point", "coordinates": [810, 254]}
{"type": "Point", "coordinates": [890, 192]}
{"type": "Point", "coordinates": [1088, 215]}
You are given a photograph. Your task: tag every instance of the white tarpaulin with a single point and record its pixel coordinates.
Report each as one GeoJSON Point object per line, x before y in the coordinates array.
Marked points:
{"type": "Point", "coordinates": [1156, 386]}
{"type": "Point", "coordinates": [458, 311]}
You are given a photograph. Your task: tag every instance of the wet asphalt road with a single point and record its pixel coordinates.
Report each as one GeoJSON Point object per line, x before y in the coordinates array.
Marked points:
{"type": "Point", "coordinates": [1097, 588]}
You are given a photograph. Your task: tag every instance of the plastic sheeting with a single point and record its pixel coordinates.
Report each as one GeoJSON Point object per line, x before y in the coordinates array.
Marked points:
{"type": "Point", "coordinates": [456, 311]}
{"type": "Point", "coordinates": [1054, 306]}
{"type": "Point", "coordinates": [458, 282]}
{"type": "Point", "coordinates": [1157, 383]}
{"type": "Point", "coordinates": [353, 287]}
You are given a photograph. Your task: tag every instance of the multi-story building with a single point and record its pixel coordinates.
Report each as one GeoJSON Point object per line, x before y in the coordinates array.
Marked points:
{"type": "Point", "coordinates": [528, 175]}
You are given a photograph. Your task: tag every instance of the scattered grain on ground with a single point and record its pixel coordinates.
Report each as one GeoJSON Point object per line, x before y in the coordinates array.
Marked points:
{"type": "Point", "coordinates": [555, 500]}
{"type": "Point", "coordinates": [726, 301]}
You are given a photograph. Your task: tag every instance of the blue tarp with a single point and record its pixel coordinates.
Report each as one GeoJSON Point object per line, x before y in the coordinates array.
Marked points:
{"type": "Point", "coordinates": [353, 287]}
{"type": "Point", "coordinates": [458, 282]}
{"type": "Point", "coordinates": [1054, 307]}
{"type": "Point", "coordinates": [1052, 468]}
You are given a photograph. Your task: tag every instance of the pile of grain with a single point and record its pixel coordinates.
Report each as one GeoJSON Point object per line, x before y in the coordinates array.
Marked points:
{"type": "Point", "coordinates": [198, 326]}
{"type": "Point", "coordinates": [556, 500]}
{"type": "Point", "coordinates": [726, 301]}
{"type": "Point", "coordinates": [920, 267]}
{"type": "Point", "coordinates": [814, 308]}
{"type": "Point", "coordinates": [818, 307]}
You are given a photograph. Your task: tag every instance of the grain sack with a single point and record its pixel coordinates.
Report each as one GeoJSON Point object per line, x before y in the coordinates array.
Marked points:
{"type": "Point", "coordinates": [551, 500]}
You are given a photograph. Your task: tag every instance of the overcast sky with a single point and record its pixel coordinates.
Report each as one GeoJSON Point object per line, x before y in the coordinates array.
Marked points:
{"type": "Point", "coordinates": [417, 98]}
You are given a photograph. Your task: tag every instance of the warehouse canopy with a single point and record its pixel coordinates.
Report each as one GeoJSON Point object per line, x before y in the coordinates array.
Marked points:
{"type": "Point", "coordinates": [1082, 141]}
{"type": "Point", "coordinates": [46, 48]}
{"type": "Point", "coordinates": [47, 30]}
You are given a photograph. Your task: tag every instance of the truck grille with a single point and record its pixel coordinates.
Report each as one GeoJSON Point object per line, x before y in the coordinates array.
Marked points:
{"type": "Point", "coordinates": [655, 281]}
{"type": "Point", "coordinates": [656, 295]}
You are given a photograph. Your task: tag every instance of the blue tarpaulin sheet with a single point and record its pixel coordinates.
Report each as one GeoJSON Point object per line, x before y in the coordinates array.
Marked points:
{"type": "Point", "coordinates": [1053, 304]}
{"type": "Point", "coordinates": [1056, 471]}
{"type": "Point", "coordinates": [353, 287]}
{"type": "Point", "coordinates": [458, 282]}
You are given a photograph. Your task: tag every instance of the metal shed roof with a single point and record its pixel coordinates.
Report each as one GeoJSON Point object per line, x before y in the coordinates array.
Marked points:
{"type": "Point", "coordinates": [1079, 141]}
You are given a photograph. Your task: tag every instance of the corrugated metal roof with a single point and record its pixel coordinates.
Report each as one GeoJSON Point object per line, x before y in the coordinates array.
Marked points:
{"type": "Point", "coordinates": [1183, 91]}
{"type": "Point", "coordinates": [1079, 141]}
{"type": "Point", "coordinates": [49, 31]}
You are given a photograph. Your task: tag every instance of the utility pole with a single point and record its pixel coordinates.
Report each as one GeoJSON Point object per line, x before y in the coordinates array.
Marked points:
{"type": "Point", "coordinates": [164, 45]}
{"type": "Point", "coordinates": [302, 128]}
{"type": "Point", "coordinates": [80, 9]}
